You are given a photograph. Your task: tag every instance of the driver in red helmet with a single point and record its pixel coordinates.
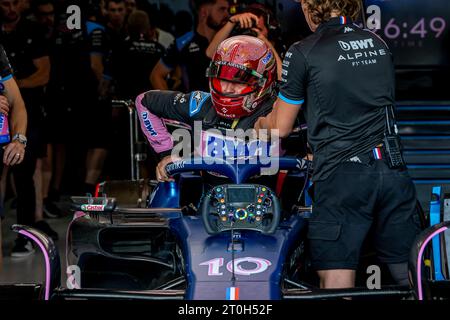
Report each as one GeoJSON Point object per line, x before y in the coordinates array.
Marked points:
{"type": "Point", "coordinates": [242, 77]}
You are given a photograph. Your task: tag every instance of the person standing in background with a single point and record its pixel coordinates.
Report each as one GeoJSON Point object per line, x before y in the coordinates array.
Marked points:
{"type": "Point", "coordinates": [97, 137]}
{"type": "Point", "coordinates": [189, 50]}
{"type": "Point", "coordinates": [13, 109]}
{"type": "Point", "coordinates": [44, 16]}
{"type": "Point", "coordinates": [130, 6]}
{"type": "Point", "coordinates": [25, 44]}
{"type": "Point", "coordinates": [253, 21]}
{"type": "Point", "coordinates": [136, 57]}
{"type": "Point", "coordinates": [72, 88]}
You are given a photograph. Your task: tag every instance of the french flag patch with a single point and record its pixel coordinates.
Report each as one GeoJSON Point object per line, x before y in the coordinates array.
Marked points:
{"type": "Point", "coordinates": [232, 293]}
{"type": "Point", "coordinates": [377, 153]}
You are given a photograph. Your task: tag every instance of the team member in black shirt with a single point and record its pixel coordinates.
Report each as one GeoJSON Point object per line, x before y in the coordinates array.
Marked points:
{"type": "Point", "coordinates": [71, 92]}
{"type": "Point", "coordinates": [100, 49]}
{"type": "Point", "coordinates": [189, 50]}
{"type": "Point", "coordinates": [12, 105]}
{"type": "Point", "coordinates": [343, 77]}
{"type": "Point", "coordinates": [136, 56]}
{"type": "Point", "coordinates": [115, 27]}
{"type": "Point", "coordinates": [27, 49]}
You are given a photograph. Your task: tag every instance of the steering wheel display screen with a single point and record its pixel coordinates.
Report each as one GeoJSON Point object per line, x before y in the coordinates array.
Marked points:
{"type": "Point", "coordinates": [237, 195]}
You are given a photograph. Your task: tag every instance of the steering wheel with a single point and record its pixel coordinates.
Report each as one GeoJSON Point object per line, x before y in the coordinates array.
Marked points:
{"type": "Point", "coordinates": [238, 205]}
{"type": "Point", "coordinates": [241, 207]}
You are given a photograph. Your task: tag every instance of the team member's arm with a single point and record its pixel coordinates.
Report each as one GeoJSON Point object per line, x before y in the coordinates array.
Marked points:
{"type": "Point", "coordinates": [159, 75]}
{"type": "Point", "coordinates": [4, 105]}
{"type": "Point", "coordinates": [97, 51]}
{"type": "Point", "coordinates": [282, 118]}
{"type": "Point", "coordinates": [17, 122]}
{"type": "Point", "coordinates": [290, 97]}
{"type": "Point", "coordinates": [97, 66]}
{"type": "Point", "coordinates": [41, 61]}
{"type": "Point", "coordinates": [245, 21]}
{"type": "Point", "coordinates": [40, 77]}
{"type": "Point", "coordinates": [160, 72]}
{"type": "Point", "coordinates": [13, 104]}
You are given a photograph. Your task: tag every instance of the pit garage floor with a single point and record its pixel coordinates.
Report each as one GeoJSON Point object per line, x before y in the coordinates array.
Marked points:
{"type": "Point", "coordinates": [29, 269]}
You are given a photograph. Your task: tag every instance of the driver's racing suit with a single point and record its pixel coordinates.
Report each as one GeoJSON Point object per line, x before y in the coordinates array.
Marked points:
{"type": "Point", "coordinates": [158, 108]}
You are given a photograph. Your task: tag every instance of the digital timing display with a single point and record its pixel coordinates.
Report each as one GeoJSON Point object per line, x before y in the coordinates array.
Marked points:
{"type": "Point", "coordinates": [240, 195]}
{"type": "Point", "coordinates": [416, 31]}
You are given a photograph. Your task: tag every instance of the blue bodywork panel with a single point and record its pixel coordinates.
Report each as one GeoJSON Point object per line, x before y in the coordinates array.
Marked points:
{"type": "Point", "coordinates": [259, 259]}
{"type": "Point", "coordinates": [262, 282]}
{"type": "Point", "coordinates": [435, 218]}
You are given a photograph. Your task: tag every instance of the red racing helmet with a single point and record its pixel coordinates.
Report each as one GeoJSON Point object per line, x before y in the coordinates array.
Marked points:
{"type": "Point", "coordinates": [245, 60]}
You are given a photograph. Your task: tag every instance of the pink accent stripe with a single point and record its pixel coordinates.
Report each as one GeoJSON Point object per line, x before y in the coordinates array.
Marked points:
{"type": "Point", "coordinates": [47, 261]}
{"type": "Point", "coordinates": [163, 140]}
{"type": "Point", "coordinates": [419, 262]}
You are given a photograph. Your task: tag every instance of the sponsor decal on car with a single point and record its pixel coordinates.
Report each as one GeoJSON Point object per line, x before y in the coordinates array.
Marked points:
{"type": "Point", "coordinates": [93, 207]}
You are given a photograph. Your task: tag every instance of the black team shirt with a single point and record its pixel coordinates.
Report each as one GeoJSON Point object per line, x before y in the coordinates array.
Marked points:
{"type": "Point", "coordinates": [23, 45]}
{"type": "Point", "coordinates": [344, 77]}
{"type": "Point", "coordinates": [189, 51]}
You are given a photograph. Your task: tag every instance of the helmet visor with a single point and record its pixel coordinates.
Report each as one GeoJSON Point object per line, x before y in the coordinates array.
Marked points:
{"type": "Point", "coordinates": [234, 73]}
{"type": "Point", "coordinates": [231, 89]}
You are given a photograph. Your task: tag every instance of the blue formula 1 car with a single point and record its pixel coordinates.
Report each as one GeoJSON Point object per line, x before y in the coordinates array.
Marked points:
{"type": "Point", "coordinates": [240, 243]}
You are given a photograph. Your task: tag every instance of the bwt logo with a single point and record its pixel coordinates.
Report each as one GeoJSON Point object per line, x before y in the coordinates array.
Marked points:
{"type": "Point", "coordinates": [148, 124]}
{"type": "Point", "coordinates": [356, 44]}
{"type": "Point", "coordinates": [223, 148]}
